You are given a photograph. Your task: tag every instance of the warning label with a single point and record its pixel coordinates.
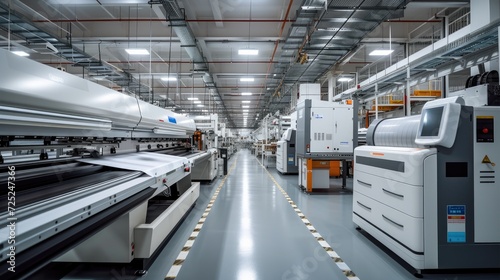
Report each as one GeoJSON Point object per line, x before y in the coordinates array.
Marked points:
{"type": "Point", "coordinates": [456, 223]}
{"type": "Point", "coordinates": [486, 159]}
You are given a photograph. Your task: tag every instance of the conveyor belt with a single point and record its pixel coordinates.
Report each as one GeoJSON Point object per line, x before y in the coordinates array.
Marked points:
{"type": "Point", "coordinates": [194, 156]}
{"type": "Point", "coordinates": [40, 183]}
{"type": "Point", "coordinates": [33, 200]}
{"type": "Point", "coordinates": [36, 257]}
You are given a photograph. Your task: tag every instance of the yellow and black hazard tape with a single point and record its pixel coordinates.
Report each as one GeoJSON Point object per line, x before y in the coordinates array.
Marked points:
{"type": "Point", "coordinates": [329, 250]}
{"type": "Point", "coordinates": [177, 265]}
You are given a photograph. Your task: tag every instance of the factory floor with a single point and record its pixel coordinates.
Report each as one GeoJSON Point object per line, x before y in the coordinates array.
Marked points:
{"type": "Point", "coordinates": [257, 224]}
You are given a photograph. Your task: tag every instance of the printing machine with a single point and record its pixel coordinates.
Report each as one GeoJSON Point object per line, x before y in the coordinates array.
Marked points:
{"type": "Point", "coordinates": [205, 166]}
{"type": "Point", "coordinates": [425, 186]}
{"type": "Point", "coordinates": [325, 132]}
{"type": "Point", "coordinates": [286, 162]}
{"type": "Point", "coordinates": [116, 183]}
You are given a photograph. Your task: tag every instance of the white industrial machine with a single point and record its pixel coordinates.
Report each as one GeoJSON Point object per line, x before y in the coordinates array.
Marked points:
{"type": "Point", "coordinates": [94, 175]}
{"type": "Point", "coordinates": [206, 139]}
{"type": "Point", "coordinates": [286, 160]}
{"type": "Point", "coordinates": [325, 131]}
{"type": "Point", "coordinates": [285, 122]}
{"type": "Point", "coordinates": [426, 186]}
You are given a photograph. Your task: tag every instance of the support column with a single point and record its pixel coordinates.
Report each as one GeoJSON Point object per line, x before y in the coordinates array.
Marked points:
{"type": "Point", "coordinates": [446, 86]}
{"type": "Point", "coordinates": [331, 86]}
{"type": "Point", "coordinates": [408, 93]}
{"type": "Point", "coordinates": [355, 121]}
{"type": "Point", "coordinates": [376, 100]}
{"type": "Point", "coordinates": [482, 12]}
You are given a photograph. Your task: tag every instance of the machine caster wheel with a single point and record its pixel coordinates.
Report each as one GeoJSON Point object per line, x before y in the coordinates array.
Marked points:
{"type": "Point", "coordinates": [140, 272]}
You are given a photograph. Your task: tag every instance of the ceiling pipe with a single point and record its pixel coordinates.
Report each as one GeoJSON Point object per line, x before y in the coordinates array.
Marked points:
{"type": "Point", "coordinates": [271, 61]}
{"type": "Point", "coordinates": [412, 20]}
{"type": "Point", "coordinates": [176, 18]}
{"type": "Point", "coordinates": [179, 62]}
{"type": "Point", "coordinates": [66, 50]}
{"type": "Point", "coordinates": [159, 20]}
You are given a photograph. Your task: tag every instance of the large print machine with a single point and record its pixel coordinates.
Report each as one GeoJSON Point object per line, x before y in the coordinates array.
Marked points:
{"type": "Point", "coordinates": [286, 160]}
{"type": "Point", "coordinates": [90, 174]}
{"type": "Point", "coordinates": [426, 186]}
{"type": "Point", "coordinates": [324, 133]}
{"type": "Point", "coordinates": [206, 139]}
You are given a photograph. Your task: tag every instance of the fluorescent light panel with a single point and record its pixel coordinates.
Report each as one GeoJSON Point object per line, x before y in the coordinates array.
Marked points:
{"type": "Point", "coordinates": [192, 98]}
{"type": "Point", "coordinates": [196, 102]}
{"type": "Point", "coordinates": [245, 106]}
{"type": "Point", "coordinates": [245, 101]}
{"type": "Point", "coordinates": [169, 78]}
{"type": "Point", "coordinates": [248, 52]}
{"type": "Point", "coordinates": [137, 51]}
{"type": "Point", "coordinates": [312, 7]}
{"type": "Point", "coordinates": [248, 79]}
{"type": "Point", "coordinates": [345, 79]}
{"type": "Point", "coordinates": [245, 110]}
{"type": "Point", "coordinates": [246, 93]}
{"type": "Point", "coordinates": [21, 53]}
{"type": "Point", "coordinates": [200, 105]}
{"type": "Point", "coordinates": [381, 52]}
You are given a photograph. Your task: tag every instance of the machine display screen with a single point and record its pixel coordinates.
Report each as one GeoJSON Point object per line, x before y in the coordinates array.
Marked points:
{"type": "Point", "coordinates": [432, 121]}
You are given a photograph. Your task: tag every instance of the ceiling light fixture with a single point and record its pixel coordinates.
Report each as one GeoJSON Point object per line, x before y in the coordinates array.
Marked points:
{"type": "Point", "coordinates": [248, 79]}
{"type": "Point", "coordinates": [245, 101]}
{"type": "Point", "coordinates": [344, 79]}
{"type": "Point", "coordinates": [21, 53]}
{"type": "Point", "coordinates": [200, 105]}
{"type": "Point", "coordinates": [197, 102]}
{"type": "Point", "coordinates": [137, 51]}
{"type": "Point", "coordinates": [381, 52]}
{"type": "Point", "coordinates": [246, 111]}
{"type": "Point", "coordinates": [170, 78]}
{"type": "Point", "coordinates": [245, 106]}
{"type": "Point", "coordinates": [311, 8]}
{"type": "Point", "coordinates": [248, 52]}
{"type": "Point", "coordinates": [192, 98]}
{"type": "Point", "coordinates": [246, 93]}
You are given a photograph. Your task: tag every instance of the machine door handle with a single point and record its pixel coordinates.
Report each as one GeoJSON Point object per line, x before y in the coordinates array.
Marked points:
{"type": "Point", "coordinates": [364, 206]}
{"type": "Point", "coordinates": [364, 183]}
{"type": "Point", "coordinates": [393, 193]}
{"type": "Point", "coordinates": [393, 222]}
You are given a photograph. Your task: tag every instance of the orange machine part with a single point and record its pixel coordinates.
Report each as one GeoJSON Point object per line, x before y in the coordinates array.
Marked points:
{"type": "Point", "coordinates": [317, 164]}
{"type": "Point", "coordinates": [335, 168]}
{"type": "Point", "coordinates": [309, 175]}
{"type": "Point", "coordinates": [197, 137]}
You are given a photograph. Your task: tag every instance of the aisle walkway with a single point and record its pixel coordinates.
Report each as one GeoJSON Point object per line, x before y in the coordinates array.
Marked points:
{"type": "Point", "coordinates": [252, 232]}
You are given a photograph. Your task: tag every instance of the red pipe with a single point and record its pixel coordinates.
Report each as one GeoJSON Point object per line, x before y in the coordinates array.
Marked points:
{"type": "Point", "coordinates": [174, 62]}
{"type": "Point", "coordinates": [271, 61]}
{"type": "Point", "coordinates": [223, 87]}
{"type": "Point", "coordinates": [160, 20]}
{"type": "Point", "coordinates": [412, 20]}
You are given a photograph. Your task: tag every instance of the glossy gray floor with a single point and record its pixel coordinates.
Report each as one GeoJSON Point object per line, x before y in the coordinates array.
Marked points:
{"type": "Point", "coordinates": [252, 232]}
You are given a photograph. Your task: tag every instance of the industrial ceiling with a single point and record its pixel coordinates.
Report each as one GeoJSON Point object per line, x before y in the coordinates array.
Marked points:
{"type": "Point", "coordinates": [191, 61]}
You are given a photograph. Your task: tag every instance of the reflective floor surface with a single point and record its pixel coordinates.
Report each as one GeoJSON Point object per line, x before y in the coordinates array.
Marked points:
{"type": "Point", "coordinates": [252, 232]}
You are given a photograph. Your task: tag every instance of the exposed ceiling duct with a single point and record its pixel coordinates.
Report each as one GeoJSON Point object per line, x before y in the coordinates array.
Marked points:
{"type": "Point", "coordinates": [43, 42]}
{"type": "Point", "coordinates": [322, 34]}
{"type": "Point", "coordinates": [176, 18]}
